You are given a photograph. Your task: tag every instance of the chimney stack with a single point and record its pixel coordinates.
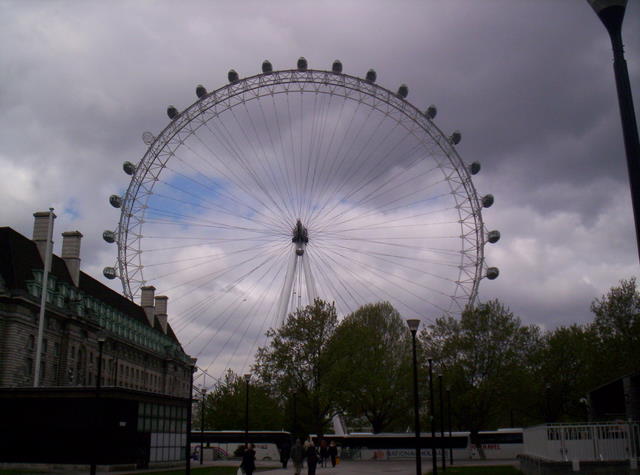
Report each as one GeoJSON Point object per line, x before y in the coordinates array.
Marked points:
{"type": "Point", "coordinates": [41, 231]}
{"type": "Point", "coordinates": [147, 302]}
{"type": "Point", "coordinates": [71, 254]}
{"type": "Point", "coordinates": [161, 311]}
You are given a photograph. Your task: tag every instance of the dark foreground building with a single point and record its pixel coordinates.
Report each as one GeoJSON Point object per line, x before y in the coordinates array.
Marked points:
{"type": "Point", "coordinates": [81, 426]}
{"type": "Point", "coordinates": [89, 329]}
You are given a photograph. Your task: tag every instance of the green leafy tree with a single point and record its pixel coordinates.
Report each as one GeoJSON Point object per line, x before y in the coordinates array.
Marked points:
{"type": "Point", "coordinates": [225, 406]}
{"type": "Point", "coordinates": [485, 359]}
{"type": "Point", "coordinates": [371, 366]}
{"type": "Point", "coordinates": [617, 326]}
{"type": "Point", "coordinates": [565, 373]}
{"type": "Point", "coordinates": [296, 362]}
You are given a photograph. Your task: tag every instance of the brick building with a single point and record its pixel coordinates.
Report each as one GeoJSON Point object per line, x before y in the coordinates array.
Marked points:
{"type": "Point", "coordinates": [140, 350]}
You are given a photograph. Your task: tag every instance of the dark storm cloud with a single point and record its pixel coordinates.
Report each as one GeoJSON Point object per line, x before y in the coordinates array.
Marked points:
{"type": "Point", "coordinates": [529, 83]}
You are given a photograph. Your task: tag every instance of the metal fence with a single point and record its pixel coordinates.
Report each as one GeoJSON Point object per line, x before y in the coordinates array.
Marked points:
{"type": "Point", "coordinates": [583, 442]}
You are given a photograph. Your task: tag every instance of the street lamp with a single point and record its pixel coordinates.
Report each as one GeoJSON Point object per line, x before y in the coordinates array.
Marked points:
{"type": "Point", "coordinates": [434, 461]}
{"type": "Point", "coordinates": [449, 421]}
{"type": "Point", "coordinates": [247, 377]}
{"type": "Point", "coordinates": [414, 323]}
{"type": "Point", "coordinates": [444, 463]}
{"type": "Point", "coordinates": [101, 340]}
{"type": "Point", "coordinates": [202, 407]}
{"type": "Point", "coordinates": [611, 13]}
{"type": "Point", "coordinates": [93, 466]}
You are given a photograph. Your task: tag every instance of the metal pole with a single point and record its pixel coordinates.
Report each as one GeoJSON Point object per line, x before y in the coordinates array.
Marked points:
{"type": "Point", "coordinates": [416, 408]}
{"type": "Point", "coordinates": [442, 452]}
{"type": "Point", "coordinates": [100, 347]}
{"type": "Point", "coordinates": [246, 411]}
{"type": "Point", "coordinates": [187, 449]}
{"type": "Point", "coordinates": [202, 408]}
{"type": "Point", "coordinates": [449, 420]}
{"type": "Point", "coordinates": [43, 299]}
{"type": "Point", "coordinates": [434, 460]}
{"type": "Point", "coordinates": [612, 17]}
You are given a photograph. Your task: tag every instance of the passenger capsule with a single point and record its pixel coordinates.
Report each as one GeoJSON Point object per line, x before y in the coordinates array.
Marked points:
{"type": "Point", "coordinates": [431, 112]}
{"type": "Point", "coordinates": [336, 67]}
{"type": "Point", "coordinates": [201, 91]}
{"type": "Point", "coordinates": [302, 64]}
{"type": "Point", "coordinates": [172, 112]}
{"type": "Point", "coordinates": [115, 201]}
{"type": "Point", "coordinates": [487, 201]}
{"type": "Point", "coordinates": [493, 236]}
{"type": "Point", "coordinates": [371, 76]}
{"type": "Point", "coordinates": [474, 168]}
{"type": "Point", "coordinates": [455, 137]}
{"type": "Point", "coordinates": [267, 67]}
{"type": "Point", "coordinates": [109, 273]}
{"type": "Point", "coordinates": [148, 138]}
{"type": "Point", "coordinates": [109, 236]}
{"type": "Point", "coordinates": [493, 273]}
{"type": "Point", "coordinates": [129, 168]}
{"type": "Point", "coordinates": [403, 91]}
{"type": "Point", "coordinates": [233, 77]}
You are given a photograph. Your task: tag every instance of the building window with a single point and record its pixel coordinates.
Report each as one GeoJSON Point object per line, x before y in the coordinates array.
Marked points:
{"type": "Point", "coordinates": [45, 345]}
{"type": "Point", "coordinates": [31, 341]}
{"type": "Point", "coordinates": [56, 349]}
{"type": "Point", "coordinates": [28, 367]}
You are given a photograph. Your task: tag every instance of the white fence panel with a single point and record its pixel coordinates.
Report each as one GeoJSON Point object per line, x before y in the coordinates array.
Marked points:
{"type": "Point", "coordinates": [583, 442]}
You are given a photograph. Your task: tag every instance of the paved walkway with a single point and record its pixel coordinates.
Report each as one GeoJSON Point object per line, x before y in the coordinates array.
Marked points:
{"type": "Point", "coordinates": [398, 467]}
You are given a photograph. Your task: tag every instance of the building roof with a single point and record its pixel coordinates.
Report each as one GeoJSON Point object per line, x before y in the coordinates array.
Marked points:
{"type": "Point", "coordinates": [19, 256]}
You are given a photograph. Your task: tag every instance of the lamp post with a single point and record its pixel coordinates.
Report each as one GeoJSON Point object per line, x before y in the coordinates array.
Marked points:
{"type": "Point", "coordinates": [449, 421]}
{"type": "Point", "coordinates": [442, 454]}
{"type": "Point", "coordinates": [414, 323]}
{"type": "Point", "coordinates": [187, 448]}
{"type": "Point", "coordinates": [611, 13]}
{"type": "Point", "coordinates": [94, 462]}
{"type": "Point", "coordinates": [101, 340]}
{"type": "Point", "coordinates": [247, 377]}
{"type": "Point", "coordinates": [202, 408]}
{"type": "Point", "coordinates": [434, 460]}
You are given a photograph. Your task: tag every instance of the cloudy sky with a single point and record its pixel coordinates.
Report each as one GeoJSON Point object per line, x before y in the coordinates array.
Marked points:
{"type": "Point", "coordinates": [529, 83]}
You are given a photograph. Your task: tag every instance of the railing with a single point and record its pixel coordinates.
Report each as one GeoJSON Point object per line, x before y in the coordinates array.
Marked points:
{"type": "Point", "coordinates": [583, 442]}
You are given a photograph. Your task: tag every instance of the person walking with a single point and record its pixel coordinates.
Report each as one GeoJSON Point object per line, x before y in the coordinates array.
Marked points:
{"type": "Point", "coordinates": [333, 452]}
{"type": "Point", "coordinates": [248, 464]}
{"type": "Point", "coordinates": [297, 456]}
{"type": "Point", "coordinates": [324, 453]}
{"type": "Point", "coordinates": [285, 452]}
{"type": "Point", "coordinates": [312, 457]}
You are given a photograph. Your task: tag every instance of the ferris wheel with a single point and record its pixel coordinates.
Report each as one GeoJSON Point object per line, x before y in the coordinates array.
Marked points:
{"type": "Point", "coordinates": [290, 185]}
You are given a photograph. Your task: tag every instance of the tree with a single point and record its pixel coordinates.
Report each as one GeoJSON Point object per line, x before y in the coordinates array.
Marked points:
{"type": "Point", "coordinates": [296, 360]}
{"type": "Point", "coordinates": [371, 366]}
{"type": "Point", "coordinates": [225, 406]}
{"type": "Point", "coordinates": [564, 373]}
{"type": "Point", "coordinates": [617, 326]}
{"type": "Point", "coordinates": [484, 358]}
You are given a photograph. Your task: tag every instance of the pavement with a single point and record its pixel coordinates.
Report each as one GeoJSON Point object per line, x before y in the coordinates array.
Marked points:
{"type": "Point", "coordinates": [362, 467]}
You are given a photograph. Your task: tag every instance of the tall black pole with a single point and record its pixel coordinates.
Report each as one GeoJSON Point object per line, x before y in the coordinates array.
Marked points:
{"type": "Point", "coordinates": [94, 461]}
{"type": "Point", "coordinates": [202, 408]}
{"type": "Point", "coordinates": [449, 421]}
{"type": "Point", "coordinates": [434, 457]}
{"type": "Point", "coordinates": [246, 410]}
{"type": "Point", "coordinates": [612, 16]}
{"type": "Point", "coordinates": [442, 451]}
{"type": "Point", "coordinates": [187, 448]}
{"type": "Point", "coordinates": [416, 408]}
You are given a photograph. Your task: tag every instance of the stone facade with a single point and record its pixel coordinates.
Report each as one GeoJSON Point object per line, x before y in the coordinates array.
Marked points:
{"type": "Point", "coordinates": [139, 349]}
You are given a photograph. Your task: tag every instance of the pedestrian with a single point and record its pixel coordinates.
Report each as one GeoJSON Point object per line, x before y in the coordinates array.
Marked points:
{"type": "Point", "coordinates": [297, 456]}
{"type": "Point", "coordinates": [333, 452]}
{"type": "Point", "coordinates": [248, 464]}
{"type": "Point", "coordinates": [285, 452]}
{"type": "Point", "coordinates": [312, 457]}
{"type": "Point", "coordinates": [324, 453]}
